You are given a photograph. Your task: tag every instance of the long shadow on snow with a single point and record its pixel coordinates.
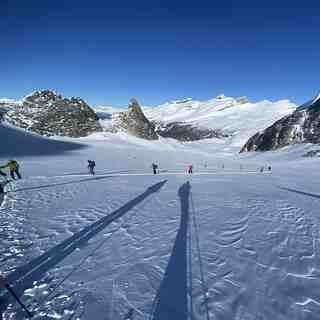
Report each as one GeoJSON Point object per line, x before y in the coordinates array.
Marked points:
{"type": "Point", "coordinates": [301, 192]}
{"type": "Point", "coordinates": [172, 300]}
{"type": "Point", "coordinates": [59, 184]}
{"type": "Point", "coordinates": [23, 277]}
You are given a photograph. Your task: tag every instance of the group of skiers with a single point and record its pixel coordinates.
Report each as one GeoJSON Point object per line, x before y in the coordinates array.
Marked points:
{"type": "Point", "coordinates": [268, 168]}
{"type": "Point", "coordinates": [190, 168]}
{"type": "Point", "coordinates": [155, 168]}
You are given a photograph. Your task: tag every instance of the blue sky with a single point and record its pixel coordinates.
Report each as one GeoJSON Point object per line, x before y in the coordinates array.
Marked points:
{"type": "Point", "coordinates": [159, 50]}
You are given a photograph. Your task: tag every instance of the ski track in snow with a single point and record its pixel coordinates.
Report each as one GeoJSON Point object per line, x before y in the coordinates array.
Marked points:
{"type": "Point", "coordinates": [260, 249]}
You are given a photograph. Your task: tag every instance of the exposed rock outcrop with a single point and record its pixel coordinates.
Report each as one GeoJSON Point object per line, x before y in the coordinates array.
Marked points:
{"type": "Point", "coordinates": [312, 154]}
{"type": "Point", "coordinates": [135, 122]}
{"type": "Point", "coordinates": [48, 113]}
{"type": "Point", "coordinates": [5, 106]}
{"type": "Point", "coordinates": [302, 126]}
{"type": "Point", "coordinates": [186, 132]}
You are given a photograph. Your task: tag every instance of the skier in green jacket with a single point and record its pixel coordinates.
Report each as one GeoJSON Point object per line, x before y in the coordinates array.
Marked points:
{"type": "Point", "coordinates": [14, 169]}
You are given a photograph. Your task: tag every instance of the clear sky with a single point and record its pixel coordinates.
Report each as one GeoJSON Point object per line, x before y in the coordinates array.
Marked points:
{"type": "Point", "coordinates": [109, 51]}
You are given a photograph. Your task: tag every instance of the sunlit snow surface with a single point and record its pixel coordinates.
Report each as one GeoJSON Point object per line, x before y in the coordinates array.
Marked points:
{"type": "Point", "coordinates": [258, 233]}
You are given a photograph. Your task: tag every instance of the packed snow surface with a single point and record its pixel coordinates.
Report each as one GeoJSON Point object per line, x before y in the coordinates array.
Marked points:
{"type": "Point", "coordinates": [228, 242]}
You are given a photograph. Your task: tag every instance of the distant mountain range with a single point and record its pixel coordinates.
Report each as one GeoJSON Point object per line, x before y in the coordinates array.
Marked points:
{"type": "Point", "coordinates": [225, 119]}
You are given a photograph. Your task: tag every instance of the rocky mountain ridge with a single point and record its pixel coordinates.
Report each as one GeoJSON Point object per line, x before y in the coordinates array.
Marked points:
{"type": "Point", "coordinates": [184, 132]}
{"type": "Point", "coordinates": [48, 113]}
{"type": "Point", "coordinates": [135, 122]}
{"type": "Point", "coordinates": [302, 126]}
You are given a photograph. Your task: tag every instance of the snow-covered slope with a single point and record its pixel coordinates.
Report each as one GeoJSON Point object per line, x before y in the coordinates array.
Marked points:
{"type": "Point", "coordinates": [17, 142]}
{"type": "Point", "coordinates": [229, 243]}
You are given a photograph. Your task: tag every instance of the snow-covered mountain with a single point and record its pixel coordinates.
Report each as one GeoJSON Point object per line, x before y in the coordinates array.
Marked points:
{"type": "Point", "coordinates": [228, 121]}
{"type": "Point", "coordinates": [233, 119]}
{"type": "Point", "coordinates": [302, 126]}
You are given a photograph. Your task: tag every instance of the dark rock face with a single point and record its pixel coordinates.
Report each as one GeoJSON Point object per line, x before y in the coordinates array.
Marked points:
{"type": "Point", "coordinates": [5, 107]}
{"type": "Point", "coordinates": [3, 112]}
{"type": "Point", "coordinates": [48, 114]}
{"type": "Point", "coordinates": [187, 132]}
{"type": "Point", "coordinates": [312, 153]}
{"type": "Point", "coordinates": [302, 126]}
{"type": "Point", "coordinates": [135, 122]}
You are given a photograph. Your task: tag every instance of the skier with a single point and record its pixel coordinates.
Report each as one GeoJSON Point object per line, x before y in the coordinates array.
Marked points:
{"type": "Point", "coordinates": [190, 169]}
{"type": "Point", "coordinates": [269, 168]}
{"type": "Point", "coordinates": [13, 166]}
{"type": "Point", "coordinates": [91, 165]}
{"type": "Point", "coordinates": [129, 315]}
{"type": "Point", "coordinates": [261, 169]}
{"type": "Point", "coordinates": [154, 168]}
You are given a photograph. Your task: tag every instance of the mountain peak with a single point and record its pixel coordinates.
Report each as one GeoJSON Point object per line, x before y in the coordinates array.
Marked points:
{"type": "Point", "coordinates": [48, 113]}
{"type": "Point", "coordinates": [135, 122]}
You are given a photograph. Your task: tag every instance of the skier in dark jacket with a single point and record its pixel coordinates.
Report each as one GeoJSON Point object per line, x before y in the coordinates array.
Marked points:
{"type": "Point", "coordinates": [13, 166]}
{"type": "Point", "coordinates": [190, 169]}
{"type": "Point", "coordinates": [154, 168]}
{"type": "Point", "coordinates": [91, 166]}
{"type": "Point", "coordinates": [3, 281]}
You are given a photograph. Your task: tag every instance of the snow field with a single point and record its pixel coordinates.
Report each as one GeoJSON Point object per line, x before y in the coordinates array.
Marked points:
{"type": "Point", "coordinates": [258, 242]}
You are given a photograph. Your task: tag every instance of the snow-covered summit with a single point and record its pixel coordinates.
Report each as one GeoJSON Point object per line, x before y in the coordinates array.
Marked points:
{"type": "Point", "coordinates": [227, 114]}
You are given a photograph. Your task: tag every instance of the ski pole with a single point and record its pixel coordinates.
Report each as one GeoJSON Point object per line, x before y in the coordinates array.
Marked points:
{"type": "Point", "coordinates": [19, 301]}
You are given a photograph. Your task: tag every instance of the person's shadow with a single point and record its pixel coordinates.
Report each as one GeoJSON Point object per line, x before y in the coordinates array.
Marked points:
{"type": "Point", "coordinates": [24, 276]}
{"type": "Point", "coordinates": [171, 302]}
